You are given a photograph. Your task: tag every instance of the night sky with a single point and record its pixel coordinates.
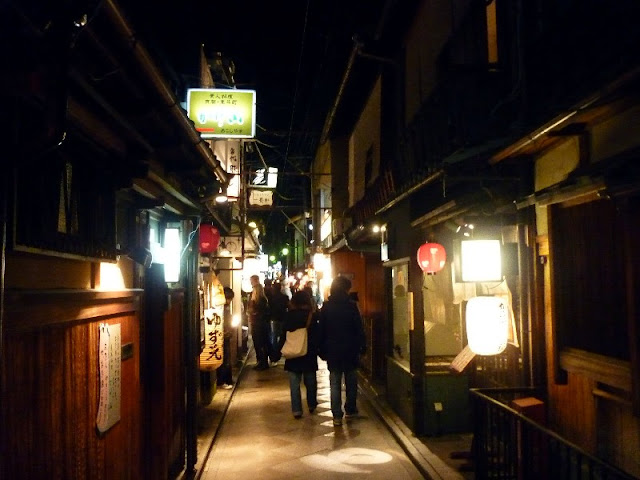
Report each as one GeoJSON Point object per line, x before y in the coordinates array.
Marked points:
{"type": "Point", "coordinates": [293, 53]}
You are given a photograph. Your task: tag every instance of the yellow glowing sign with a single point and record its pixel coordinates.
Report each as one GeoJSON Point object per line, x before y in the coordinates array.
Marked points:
{"type": "Point", "coordinates": [222, 113]}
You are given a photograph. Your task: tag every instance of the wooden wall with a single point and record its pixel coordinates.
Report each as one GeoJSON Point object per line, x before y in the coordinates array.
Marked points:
{"type": "Point", "coordinates": [164, 394]}
{"type": "Point", "coordinates": [367, 276]}
{"type": "Point", "coordinates": [51, 386]}
{"type": "Point", "coordinates": [590, 395]}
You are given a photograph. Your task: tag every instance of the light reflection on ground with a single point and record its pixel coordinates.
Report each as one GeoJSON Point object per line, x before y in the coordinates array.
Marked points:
{"type": "Point", "coordinates": [343, 460]}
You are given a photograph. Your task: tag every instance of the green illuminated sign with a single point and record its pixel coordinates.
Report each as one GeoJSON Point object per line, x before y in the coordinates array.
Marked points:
{"type": "Point", "coordinates": [222, 113]}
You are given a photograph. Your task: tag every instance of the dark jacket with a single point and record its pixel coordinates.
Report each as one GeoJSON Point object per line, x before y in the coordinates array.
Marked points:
{"type": "Point", "coordinates": [279, 304]}
{"type": "Point", "coordinates": [294, 319]}
{"type": "Point", "coordinates": [342, 339]}
{"type": "Point", "coordinates": [259, 311]}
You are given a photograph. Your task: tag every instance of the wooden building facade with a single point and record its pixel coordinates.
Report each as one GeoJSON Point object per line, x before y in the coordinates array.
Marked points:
{"type": "Point", "coordinates": [520, 119]}
{"type": "Point", "coordinates": [97, 379]}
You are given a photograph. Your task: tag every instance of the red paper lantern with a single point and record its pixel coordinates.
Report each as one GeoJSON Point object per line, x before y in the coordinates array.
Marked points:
{"type": "Point", "coordinates": [431, 257]}
{"type": "Point", "coordinates": [209, 238]}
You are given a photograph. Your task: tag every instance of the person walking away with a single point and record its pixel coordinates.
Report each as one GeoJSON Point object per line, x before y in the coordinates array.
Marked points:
{"type": "Point", "coordinates": [342, 341]}
{"type": "Point", "coordinates": [279, 304]}
{"type": "Point", "coordinates": [224, 373]}
{"type": "Point", "coordinates": [301, 315]}
{"type": "Point", "coordinates": [258, 310]}
{"type": "Point", "coordinates": [309, 289]}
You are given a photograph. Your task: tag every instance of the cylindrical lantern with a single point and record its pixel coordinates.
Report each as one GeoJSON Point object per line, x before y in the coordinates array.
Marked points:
{"type": "Point", "coordinates": [487, 325]}
{"type": "Point", "coordinates": [211, 355]}
{"type": "Point", "coordinates": [209, 238]}
{"type": "Point", "coordinates": [431, 257]}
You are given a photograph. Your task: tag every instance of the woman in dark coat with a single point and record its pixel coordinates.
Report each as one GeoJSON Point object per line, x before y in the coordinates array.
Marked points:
{"type": "Point", "coordinates": [301, 315]}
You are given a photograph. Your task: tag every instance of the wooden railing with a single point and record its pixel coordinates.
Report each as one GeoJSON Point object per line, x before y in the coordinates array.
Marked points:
{"type": "Point", "coordinates": [509, 445]}
{"type": "Point", "coordinates": [377, 194]}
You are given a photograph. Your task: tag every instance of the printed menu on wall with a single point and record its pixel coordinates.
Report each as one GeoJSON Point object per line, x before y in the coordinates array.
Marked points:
{"type": "Point", "coordinates": [110, 357]}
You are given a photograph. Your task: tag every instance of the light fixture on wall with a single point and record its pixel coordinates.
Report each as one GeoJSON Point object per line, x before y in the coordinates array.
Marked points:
{"type": "Point", "coordinates": [221, 197]}
{"type": "Point", "coordinates": [481, 260]}
{"type": "Point", "coordinates": [431, 257]}
{"type": "Point", "coordinates": [487, 321]}
{"type": "Point", "coordinates": [140, 255]}
{"type": "Point", "coordinates": [172, 254]}
{"type": "Point", "coordinates": [466, 230]}
{"type": "Point", "coordinates": [460, 227]}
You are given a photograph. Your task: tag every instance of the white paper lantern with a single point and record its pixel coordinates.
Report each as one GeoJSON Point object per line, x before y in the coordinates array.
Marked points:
{"type": "Point", "coordinates": [487, 325]}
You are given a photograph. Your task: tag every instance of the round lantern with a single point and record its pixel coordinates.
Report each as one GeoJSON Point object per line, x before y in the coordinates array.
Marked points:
{"type": "Point", "coordinates": [487, 325]}
{"type": "Point", "coordinates": [209, 238]}
{"type": "Point", "coordinates": [431, 257]}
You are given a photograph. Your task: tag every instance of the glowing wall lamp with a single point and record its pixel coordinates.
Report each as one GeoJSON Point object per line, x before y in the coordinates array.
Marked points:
{"type": "Point", "coordinates": [221, 197]}
{"type": "Point", "coordinates": [487, 325]}
{"type": "Point", "coordinates": [480, 260]}
{"type": "Point", "coordinates": [172, 251]}
{"type": "Point", "coordinates": [431, 257]}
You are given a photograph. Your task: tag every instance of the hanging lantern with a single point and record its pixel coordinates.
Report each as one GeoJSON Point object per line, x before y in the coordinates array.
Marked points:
{"type": "Point", "coordinates": [209, 238]}
{"type": "Point", "coordinates": [431, 257]}
{"type": "Point", "coordinates": [487, 325]}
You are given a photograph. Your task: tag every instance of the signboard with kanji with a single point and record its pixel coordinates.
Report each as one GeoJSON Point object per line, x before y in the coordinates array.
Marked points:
{"type": "Point", "coordinates": [212, 353]}
{"type": "Point", "coordinates": [260, 198]}
{"type": "Point", "coordinates": [228, 152]}
{"type": "Point", "coordinates": [222, 113]}
{"type": "Point", "coordinates": [211, 356]}
{"type": "Point", "coordinates": [265, 178]}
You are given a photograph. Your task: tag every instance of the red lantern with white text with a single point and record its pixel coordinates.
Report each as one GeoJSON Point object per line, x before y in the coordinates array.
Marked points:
{"type": "Point", "coordinates": [209, 238]}
{"type": "Point", "coordinates": [431, 257]}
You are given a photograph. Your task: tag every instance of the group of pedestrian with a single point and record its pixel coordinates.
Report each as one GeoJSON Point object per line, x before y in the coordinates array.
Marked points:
{"type": "Point", "coordinates": [334, 333]}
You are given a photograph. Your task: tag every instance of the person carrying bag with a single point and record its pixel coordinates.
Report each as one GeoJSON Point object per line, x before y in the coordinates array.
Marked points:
{"type": "Point", "coordinates": [300, 350]}
{"type": "Point", "coordinates": [296, 342]}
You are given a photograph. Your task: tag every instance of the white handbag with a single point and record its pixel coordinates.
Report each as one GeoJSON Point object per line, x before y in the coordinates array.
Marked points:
{"type": "Point", "coordinates": [296, 344]}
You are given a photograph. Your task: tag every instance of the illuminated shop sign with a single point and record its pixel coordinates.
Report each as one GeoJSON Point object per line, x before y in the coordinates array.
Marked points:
{"type": "Point", "coordinates": [222, 113]}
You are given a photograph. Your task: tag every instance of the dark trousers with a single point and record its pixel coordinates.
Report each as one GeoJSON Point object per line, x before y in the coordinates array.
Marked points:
{"type": "Point", "coordinates": [275, 334]}
{"type": "Point", "coordinates": [260, 335]}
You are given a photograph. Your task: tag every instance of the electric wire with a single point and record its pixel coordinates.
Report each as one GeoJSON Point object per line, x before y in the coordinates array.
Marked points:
{"type": "Point", "coordinates": [190, 237]}
{"type": "Point", "coordinates": [298, 75]}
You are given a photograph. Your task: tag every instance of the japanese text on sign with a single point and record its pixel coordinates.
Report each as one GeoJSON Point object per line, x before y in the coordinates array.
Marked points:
{"type": "Point", "coordinates": [261, 198]}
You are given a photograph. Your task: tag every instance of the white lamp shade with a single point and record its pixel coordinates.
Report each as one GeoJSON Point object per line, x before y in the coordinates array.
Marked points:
{"type": "Point", "coordinates": [172, 251]}
{"type": "Point", "coordinates": [487, 325]}
{"type": "Point", "coordinates": [481, 260]}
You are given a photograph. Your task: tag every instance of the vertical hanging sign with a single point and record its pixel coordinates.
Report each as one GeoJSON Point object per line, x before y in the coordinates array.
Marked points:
{"type": "Point", "coordinates": [110, 357]}
{"type": "Point", "coordinates": [228, 153]}
{"type": "Point", "coordinates": [211, 356]}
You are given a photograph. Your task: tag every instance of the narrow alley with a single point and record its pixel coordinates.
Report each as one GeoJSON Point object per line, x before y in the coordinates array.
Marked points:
{"type": "Point", "coordinates": [250, 432]}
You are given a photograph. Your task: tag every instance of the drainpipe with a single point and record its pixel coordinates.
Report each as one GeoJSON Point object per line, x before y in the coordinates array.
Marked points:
{"type": "Point", "coordinates": [192, 335]}
{"type": "Point", "coordinates": [146, 62]}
